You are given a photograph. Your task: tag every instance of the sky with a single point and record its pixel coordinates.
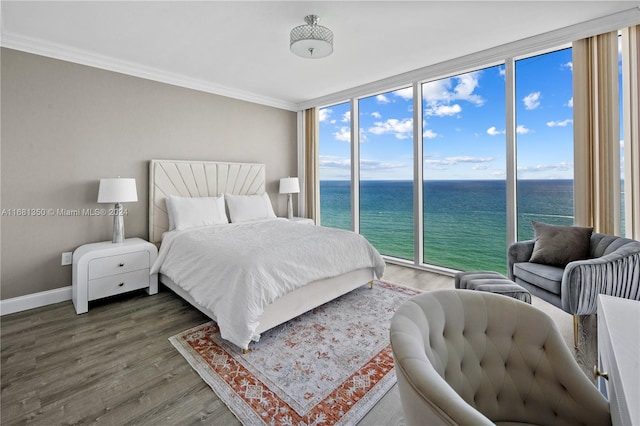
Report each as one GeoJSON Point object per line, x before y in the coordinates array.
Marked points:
{"type": "Point", "coordinates": [463, 127]}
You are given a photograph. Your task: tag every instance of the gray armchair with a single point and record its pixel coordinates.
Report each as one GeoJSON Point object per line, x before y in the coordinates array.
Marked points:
{"type": "Point", "coordinates": [613, 269]}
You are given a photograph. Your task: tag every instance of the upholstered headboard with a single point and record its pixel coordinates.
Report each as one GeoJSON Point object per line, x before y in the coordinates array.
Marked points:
{"type": "Point", "coordinates": [197, 179]}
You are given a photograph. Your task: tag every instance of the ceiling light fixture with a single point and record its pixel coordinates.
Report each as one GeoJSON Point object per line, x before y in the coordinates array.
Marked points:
{"type": "Point", "coordinates": [312, 40]}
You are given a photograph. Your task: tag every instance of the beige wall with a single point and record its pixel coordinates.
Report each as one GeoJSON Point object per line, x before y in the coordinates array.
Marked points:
{"type": "Point", "coordinates": [64, 126]}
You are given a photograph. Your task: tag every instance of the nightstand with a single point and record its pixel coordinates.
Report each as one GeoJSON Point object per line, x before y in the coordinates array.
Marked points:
{"type": "Point", "coordinates": [106, 269]}
{"type": "Point", "coordinates": [302, 220]}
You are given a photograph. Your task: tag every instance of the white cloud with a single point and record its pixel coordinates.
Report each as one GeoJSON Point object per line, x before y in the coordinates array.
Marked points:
{"type": "Point", "coordinates": [522, 130]}
{"type": "Point", "coordinates": [376, 114]}
{"type": "Point", "coordinates": [562, 166]}
{"type": "Point", "coordinates": [382, 99]}
{"type": "Point", "coordinates": [467, 159]}
{"type": "Point", "coordinates": [346, 117]}
{"type": "Point", "coordinates": [448, 90]}
{"type": "Point", "coordinates": [429, 134]}
{"type": "Point", "coordinates": [436, 163]}
{"type": "Point", "coordinates": [450, 161]}
{"type": "Point", "coordinates": [343, 134]}
{"type": "Point", "coordinates": [532, 100]}
{"type": "Point", "coordinates": [406, 93]}
{"type": "Point", "coordinates": [563, 123]}
{"type": "Point", "coordinates": [401, 128]}
{"type": "Point", "coordinates": [442, 110]}
{"type": "Point", "coordinates": [324, 114]}
{"type": "Point", "coordinates": [480, 167]}
{"type": "Point", "coordinates": [363, 135]}
{"type": "Point", "coordinates": [568, 65]}
{"type": "Point", "coordinates": [437, 91]}
{"type": "Point", "coordinates": [327, 161]}
{"type": "Point", "coordinates": [379, 165]}
{"type": "Point", "coordinates": [570, 103]}
{"type": "Point", "coordinates": [441, 97]}
{"type": "Point", "coordinates": [467, 83]}
{"type": "Point", "coordinates": [494, 132]}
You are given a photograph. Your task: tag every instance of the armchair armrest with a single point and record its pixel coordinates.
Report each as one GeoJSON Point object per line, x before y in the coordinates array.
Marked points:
{"type": "Point", "coordinates": [520, 251]}
{"type": "Point", "coordinates": [616, 274]}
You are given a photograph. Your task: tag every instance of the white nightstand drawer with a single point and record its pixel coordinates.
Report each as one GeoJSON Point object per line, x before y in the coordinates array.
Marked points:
{"type": "Point", "coordinates": [116, 284]}
{"type": "Point", "coordinates": [118, 264]}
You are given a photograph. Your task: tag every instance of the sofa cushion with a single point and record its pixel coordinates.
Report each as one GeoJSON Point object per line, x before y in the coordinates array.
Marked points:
{"type": "Point", "coordinates": [559, 245]}
{"type": "Point", "coordinates": [544, 276]}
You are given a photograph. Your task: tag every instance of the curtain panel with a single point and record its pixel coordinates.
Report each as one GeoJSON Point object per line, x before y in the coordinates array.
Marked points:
{"type": "Point", "coordinates": [596, 133]}
{"type": "Point", "coordinates": [311, 166]}
{"type": "Point", "coordinates": [631, 129]}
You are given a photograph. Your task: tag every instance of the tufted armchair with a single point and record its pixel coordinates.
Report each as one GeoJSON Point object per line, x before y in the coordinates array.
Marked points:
{"type": "Point", "coordinates": [475, 358]}
{"type": "Point", "coordinates": [613, 268]}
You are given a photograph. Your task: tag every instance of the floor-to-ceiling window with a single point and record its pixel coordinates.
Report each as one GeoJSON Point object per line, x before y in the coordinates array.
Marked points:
{"type": "Point", "coordinates": [544, 134]}
{"type": "Point", "coordinates": [464, 162]}
{"type": "Point", "coordinates": [386, 171]}
{"type": "Point", "coordinates": [335, 165]}
{"type": "Point", "coordinates": [464, 171]}
{"type": "Point", "coordinates": [469, 150]}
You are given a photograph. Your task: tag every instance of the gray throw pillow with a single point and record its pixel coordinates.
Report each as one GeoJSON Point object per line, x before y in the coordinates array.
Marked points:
{"type": "Point", "coordinates": [558, 245]}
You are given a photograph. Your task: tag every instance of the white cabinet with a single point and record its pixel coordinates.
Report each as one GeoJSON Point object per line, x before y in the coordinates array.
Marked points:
{"type": "Point", "coordinates": [106, 269]}
{"type": "Point", "coordinates": [619, 357]}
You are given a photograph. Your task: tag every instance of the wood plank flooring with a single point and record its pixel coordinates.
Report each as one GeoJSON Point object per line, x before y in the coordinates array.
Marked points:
{"type": "Point", "coordinates": [115, 366]}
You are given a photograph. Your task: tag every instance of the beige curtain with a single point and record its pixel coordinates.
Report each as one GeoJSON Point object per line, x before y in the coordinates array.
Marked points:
{"type": "Point", "coordinates": [596, 133]}
{"type": "Point", "coordinates": [311, 164]}
{"type": "Point", "coordinates": [631, 116]}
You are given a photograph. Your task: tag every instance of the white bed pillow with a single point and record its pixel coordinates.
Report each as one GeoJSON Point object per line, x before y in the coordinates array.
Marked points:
{"type": "Point", "coordinates": [167, 201]}
{"type": "Point", "coordinates": [187, 212]}
{"type": "Point", "coordinates": [243, 208]}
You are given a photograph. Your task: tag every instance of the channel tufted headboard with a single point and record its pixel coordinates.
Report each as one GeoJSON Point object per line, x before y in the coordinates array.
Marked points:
{"type": "Point", "coordinates": [197, 179]}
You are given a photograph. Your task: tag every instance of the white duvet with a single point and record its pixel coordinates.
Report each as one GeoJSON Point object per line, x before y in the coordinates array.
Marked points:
{"type": "Point", "coordinates": [235, 270]}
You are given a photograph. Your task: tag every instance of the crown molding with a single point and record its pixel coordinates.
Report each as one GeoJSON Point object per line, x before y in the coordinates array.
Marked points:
{"type": "Point", "coordinates": [82, 57]}
{"type": "Point", "coordinates": [485, 58]}
{"type": "Point", "coordinates": [455, 66]}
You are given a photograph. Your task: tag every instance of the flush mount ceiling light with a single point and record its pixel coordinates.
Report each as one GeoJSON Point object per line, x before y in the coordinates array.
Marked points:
{"type": "Point", "coordinates": [312, 40]}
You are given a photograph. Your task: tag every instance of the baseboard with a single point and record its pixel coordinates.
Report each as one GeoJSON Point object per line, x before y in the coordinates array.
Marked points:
{"type": "Point", "coordinates": [36, 300]}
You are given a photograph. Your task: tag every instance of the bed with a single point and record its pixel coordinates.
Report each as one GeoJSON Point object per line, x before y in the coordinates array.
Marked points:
{"type": "Point", "coordinates": [196, 179]}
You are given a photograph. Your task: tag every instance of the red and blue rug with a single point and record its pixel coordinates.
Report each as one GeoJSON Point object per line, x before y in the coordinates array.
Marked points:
{"type": "Point", "coordinates": [329, 366]}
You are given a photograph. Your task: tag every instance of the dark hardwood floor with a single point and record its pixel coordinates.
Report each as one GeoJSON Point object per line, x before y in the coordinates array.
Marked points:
{"type": "Point", "coordinates": [115, 366]}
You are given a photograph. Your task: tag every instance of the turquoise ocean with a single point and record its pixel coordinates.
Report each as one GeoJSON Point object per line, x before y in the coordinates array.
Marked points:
{"type": "Point", "coordinates": [464, 221]}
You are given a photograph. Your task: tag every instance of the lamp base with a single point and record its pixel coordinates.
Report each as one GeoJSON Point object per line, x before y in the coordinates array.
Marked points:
{"type": "Point", "coordinates": [289, 207]}
{"type": "Point", "coordinates": [118, 224]}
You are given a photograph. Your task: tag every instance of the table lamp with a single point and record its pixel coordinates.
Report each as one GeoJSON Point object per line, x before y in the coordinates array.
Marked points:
{"type": "Point", "coordinates": [117, 190]}
{"type": "Point", "coordinates": [289, 185]}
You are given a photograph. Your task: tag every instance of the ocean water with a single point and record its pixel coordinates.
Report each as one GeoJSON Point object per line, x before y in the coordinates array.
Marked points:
{"type": "Point", "coordinates": [464, 221]}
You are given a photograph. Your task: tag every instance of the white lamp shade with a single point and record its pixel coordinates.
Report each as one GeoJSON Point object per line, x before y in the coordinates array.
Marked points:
{"type": "Point", "coordinates": [117, 190]}
{"type": "Point", "coordinates": [289, 185]}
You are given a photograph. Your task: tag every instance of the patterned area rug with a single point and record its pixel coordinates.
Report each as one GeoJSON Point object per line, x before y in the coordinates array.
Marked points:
{"type": "Point", "coordinates": [328, 366]}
